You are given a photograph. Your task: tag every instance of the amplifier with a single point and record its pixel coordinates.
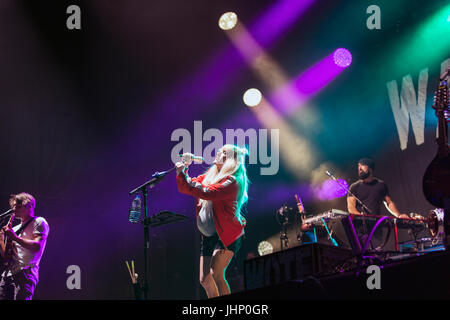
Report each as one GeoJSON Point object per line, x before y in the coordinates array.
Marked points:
{"type": "Point", "coordinates": [296, 263]}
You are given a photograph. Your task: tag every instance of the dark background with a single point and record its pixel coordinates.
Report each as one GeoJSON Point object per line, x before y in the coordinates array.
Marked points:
{"type": "Point", "coordinates": [86, 116]}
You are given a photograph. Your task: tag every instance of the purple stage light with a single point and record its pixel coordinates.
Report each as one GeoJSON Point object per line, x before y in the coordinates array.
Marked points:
{"type": "Point", "coordinates": [311, 81]}
{"type": "Point", "coordinates": [212, 80]}
{"type": "Point", "coordinates": [342, 57]}
{"type": "Point", "coordinates": [277, 19]}
{"type": "Point", "coordinates": [330, 189]}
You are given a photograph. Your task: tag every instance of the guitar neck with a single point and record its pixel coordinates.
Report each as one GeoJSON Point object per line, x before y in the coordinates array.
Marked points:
{"type": "Point", "coordinates": [9, 224]}
{"type": "Point", "coordinates": [442, 139]}
{"type": "Point", "coordinates": [441, 106]}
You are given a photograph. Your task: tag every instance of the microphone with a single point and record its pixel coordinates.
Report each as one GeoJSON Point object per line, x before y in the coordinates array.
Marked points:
{"type": "Point", "coordinates": [330, 174]}
{"type": "Point", "coordinates": [188, 158]}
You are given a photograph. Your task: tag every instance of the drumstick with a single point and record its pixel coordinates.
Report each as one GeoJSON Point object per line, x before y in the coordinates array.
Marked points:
{"type": "Point", "coordinates": [300, 207]}
{"type": "Point", "coordinates": [299, 203]}
{"type": "Point", "coordinates": [129, 270]}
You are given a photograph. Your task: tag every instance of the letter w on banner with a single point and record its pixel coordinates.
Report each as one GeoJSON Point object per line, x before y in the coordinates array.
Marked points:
{"type": "Point", "coordinates": [409, 106]}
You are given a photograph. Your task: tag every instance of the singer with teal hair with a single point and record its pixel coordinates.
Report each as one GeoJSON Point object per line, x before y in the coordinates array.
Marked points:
{"type": "Point", "coordinates": [221, 193]}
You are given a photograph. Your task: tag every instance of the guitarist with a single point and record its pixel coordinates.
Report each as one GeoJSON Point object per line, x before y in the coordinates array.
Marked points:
{"type": "Point", "coordinates": [27, 243]}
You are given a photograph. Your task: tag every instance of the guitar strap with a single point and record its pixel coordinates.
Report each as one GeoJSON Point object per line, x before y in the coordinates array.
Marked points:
{"type": "Point", "coordinates": [19, 232]}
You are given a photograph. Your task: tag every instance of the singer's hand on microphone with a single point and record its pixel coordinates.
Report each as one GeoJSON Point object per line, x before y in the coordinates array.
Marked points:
{"type": "Point", "coordinates": [180, 167]}
{"type": "Point", "coordinates": [187, 158]}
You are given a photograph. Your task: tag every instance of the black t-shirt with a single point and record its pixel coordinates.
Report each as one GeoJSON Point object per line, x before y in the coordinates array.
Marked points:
{"type": "Point", "coordinates": [371, 194]}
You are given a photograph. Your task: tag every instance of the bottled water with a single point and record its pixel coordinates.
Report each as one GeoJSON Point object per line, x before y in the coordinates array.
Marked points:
{"type": "Point", "coordinates": [135, 211]}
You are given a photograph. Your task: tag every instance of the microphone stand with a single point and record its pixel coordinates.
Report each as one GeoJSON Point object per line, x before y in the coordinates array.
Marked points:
{"type": "Point", "coordinates": [360, 256]}
{"type": "Point", "coordinates": [6, 213]}
{"type": "Point", "coordinates": [357, 199]}
{"type": "Point", "coordinates": [156, 178]}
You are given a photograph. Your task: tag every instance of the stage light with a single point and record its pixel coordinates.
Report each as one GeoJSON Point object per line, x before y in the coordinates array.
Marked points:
{"type": "Point", "coordinates": [291, 144]}
{"type": "Point", "coordinates": [252, 97]}
{"type": "Point", "coordinates": [330, 189]}
{"type": "Point", "coordinates": [342, 57]}
{"type": "Point", "coordinates": [264, 247]}
{"type": "Point", "coordinates": [228, 21]}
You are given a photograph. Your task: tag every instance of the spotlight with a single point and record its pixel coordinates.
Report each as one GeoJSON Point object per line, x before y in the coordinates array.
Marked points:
{"type": "Point", "coordinates": [264, 247]}
{"type": "Point", "coordinates": [330, 189]}
{"type": "Point", "coordinates": [228, 21]}
{"type": "Point", "coordinates": [342, 57]}
{"type": "Point", "coordinates": [252, 97]}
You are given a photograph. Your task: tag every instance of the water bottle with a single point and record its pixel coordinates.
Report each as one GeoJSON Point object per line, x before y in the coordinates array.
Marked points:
{"type": "Point", "coordinates": [135, 211]}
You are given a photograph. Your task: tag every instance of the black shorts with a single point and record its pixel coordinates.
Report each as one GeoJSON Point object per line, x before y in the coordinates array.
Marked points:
{"type": "Point", "coordinates": [209, 244]}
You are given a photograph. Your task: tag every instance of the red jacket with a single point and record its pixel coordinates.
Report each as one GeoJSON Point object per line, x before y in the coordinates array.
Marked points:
{"type": "Point", "coordinates": [223, 196]}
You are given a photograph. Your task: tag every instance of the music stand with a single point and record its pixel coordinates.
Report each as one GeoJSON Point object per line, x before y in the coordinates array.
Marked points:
{"type": "Point", "coordinates": [164, 217]}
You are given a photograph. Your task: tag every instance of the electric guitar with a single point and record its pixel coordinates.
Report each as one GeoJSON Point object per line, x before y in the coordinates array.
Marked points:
{"type": "Point", "coordinates": [7, 255]}
{"type": "Point", "coordinates": [436, 180]}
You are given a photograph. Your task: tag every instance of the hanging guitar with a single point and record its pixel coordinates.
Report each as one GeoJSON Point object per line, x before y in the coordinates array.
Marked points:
{"type": "Point", "coordinates": [436, 180]}
{"type": "Point", "coordinates": [7, 245]}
